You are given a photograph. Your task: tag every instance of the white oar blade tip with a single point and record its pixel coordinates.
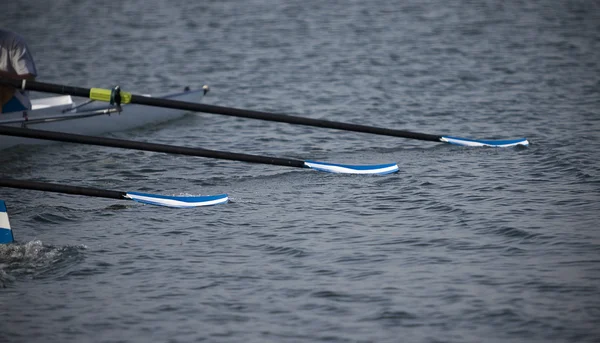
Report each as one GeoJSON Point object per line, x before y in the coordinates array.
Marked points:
{"type": "Point", "coordinates": [6, 235]}
{"type": "Point", "coordinates": [380, 169]}
{"type": "Point", "coordinates": [485, 142]}
{"type": "Point", "coordinates": [178, 201]}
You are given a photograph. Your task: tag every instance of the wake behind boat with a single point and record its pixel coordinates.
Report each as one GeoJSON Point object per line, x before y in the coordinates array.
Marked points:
{"type": "Point", "coordinates": [63, 114]}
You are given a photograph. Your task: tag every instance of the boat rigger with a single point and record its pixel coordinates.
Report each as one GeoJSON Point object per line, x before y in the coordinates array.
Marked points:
{"type": "Point", "coordinates": [62, 114]}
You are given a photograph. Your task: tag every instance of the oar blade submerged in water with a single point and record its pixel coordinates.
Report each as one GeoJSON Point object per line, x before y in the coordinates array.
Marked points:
{"type": "Point", "coordinates": [146, 198]}
{"type": "Point", "coordinates": [485, 142]}
{"type": "Point", "coordinates": [177, 201]}
{"type": "Point", "coordinates": [379, 169]}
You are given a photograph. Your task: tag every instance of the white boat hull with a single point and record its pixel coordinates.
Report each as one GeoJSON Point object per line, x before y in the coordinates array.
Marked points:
{"type": "Point", "coordinates": [132, 116]}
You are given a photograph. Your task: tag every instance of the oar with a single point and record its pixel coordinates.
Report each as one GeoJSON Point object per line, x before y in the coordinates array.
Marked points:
{"type": "Point", "coordinates": [118, 96]}
{"type": "Point", "coordinates": [152, 199]}
{"type": "Point", "coordinates": [380, 169]}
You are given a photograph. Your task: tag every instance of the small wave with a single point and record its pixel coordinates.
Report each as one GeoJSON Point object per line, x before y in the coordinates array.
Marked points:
{"type": "Point", "coordinates": [56, 215]}
{"type": "Point", "coordinates": [289, 251]}
{"type": "Point", "coordinates": [328, 294]}
{"type": "Point", "coordinates": [117, 207]}
{"type": "Point", "coordinates": [392, 316]}
{"type": "Point", "coordinates": [347, 297]}
{"type": "Point", "coordinates": [51, 218]}
{"type": "Point", "coordinates": [515, 233]}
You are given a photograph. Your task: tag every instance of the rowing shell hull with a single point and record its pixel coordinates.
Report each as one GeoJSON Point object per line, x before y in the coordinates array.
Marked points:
{"type": "Point", "coordinates": [131, 117]}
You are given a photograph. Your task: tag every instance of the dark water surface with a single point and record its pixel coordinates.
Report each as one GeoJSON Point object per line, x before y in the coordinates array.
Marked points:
{"type": "Point", "coordinates": [463, 245]}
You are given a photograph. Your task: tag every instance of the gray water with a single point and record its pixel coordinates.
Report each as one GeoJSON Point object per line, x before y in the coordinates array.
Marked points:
{"type": "Point", "coordinates": [462, 245]}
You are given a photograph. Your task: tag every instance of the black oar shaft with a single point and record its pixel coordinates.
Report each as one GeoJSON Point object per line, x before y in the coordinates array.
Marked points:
{"type": "Point", "coordinates": [229, 111]}
{"type": "Point", "coordinates": [52, 187]}
{"type": "Point", "coordinates": [282, 118]}
{"type": "Point", "coordinates": [121, 143]}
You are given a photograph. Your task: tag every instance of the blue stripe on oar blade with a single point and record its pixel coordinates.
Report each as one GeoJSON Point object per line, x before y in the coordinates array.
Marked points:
{"type": "Point", "coordinates": [380, 169]}
{"type": "Point", "coordinates": [485, 142]}
{"type": "Point", "coordinates": [177, 201]}
{"type": "Point", "coordinates": [6, 235]}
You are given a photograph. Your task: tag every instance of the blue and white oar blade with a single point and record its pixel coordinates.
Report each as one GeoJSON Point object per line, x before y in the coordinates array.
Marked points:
{"type": "Point", "coordinates": [379, 169]}
{"type": "Point", "coordinates": [177, 201]}
{"type": "Point", "coordinates": [6, 235]}
{"type": "Point", "coordinates": [485, 142]}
